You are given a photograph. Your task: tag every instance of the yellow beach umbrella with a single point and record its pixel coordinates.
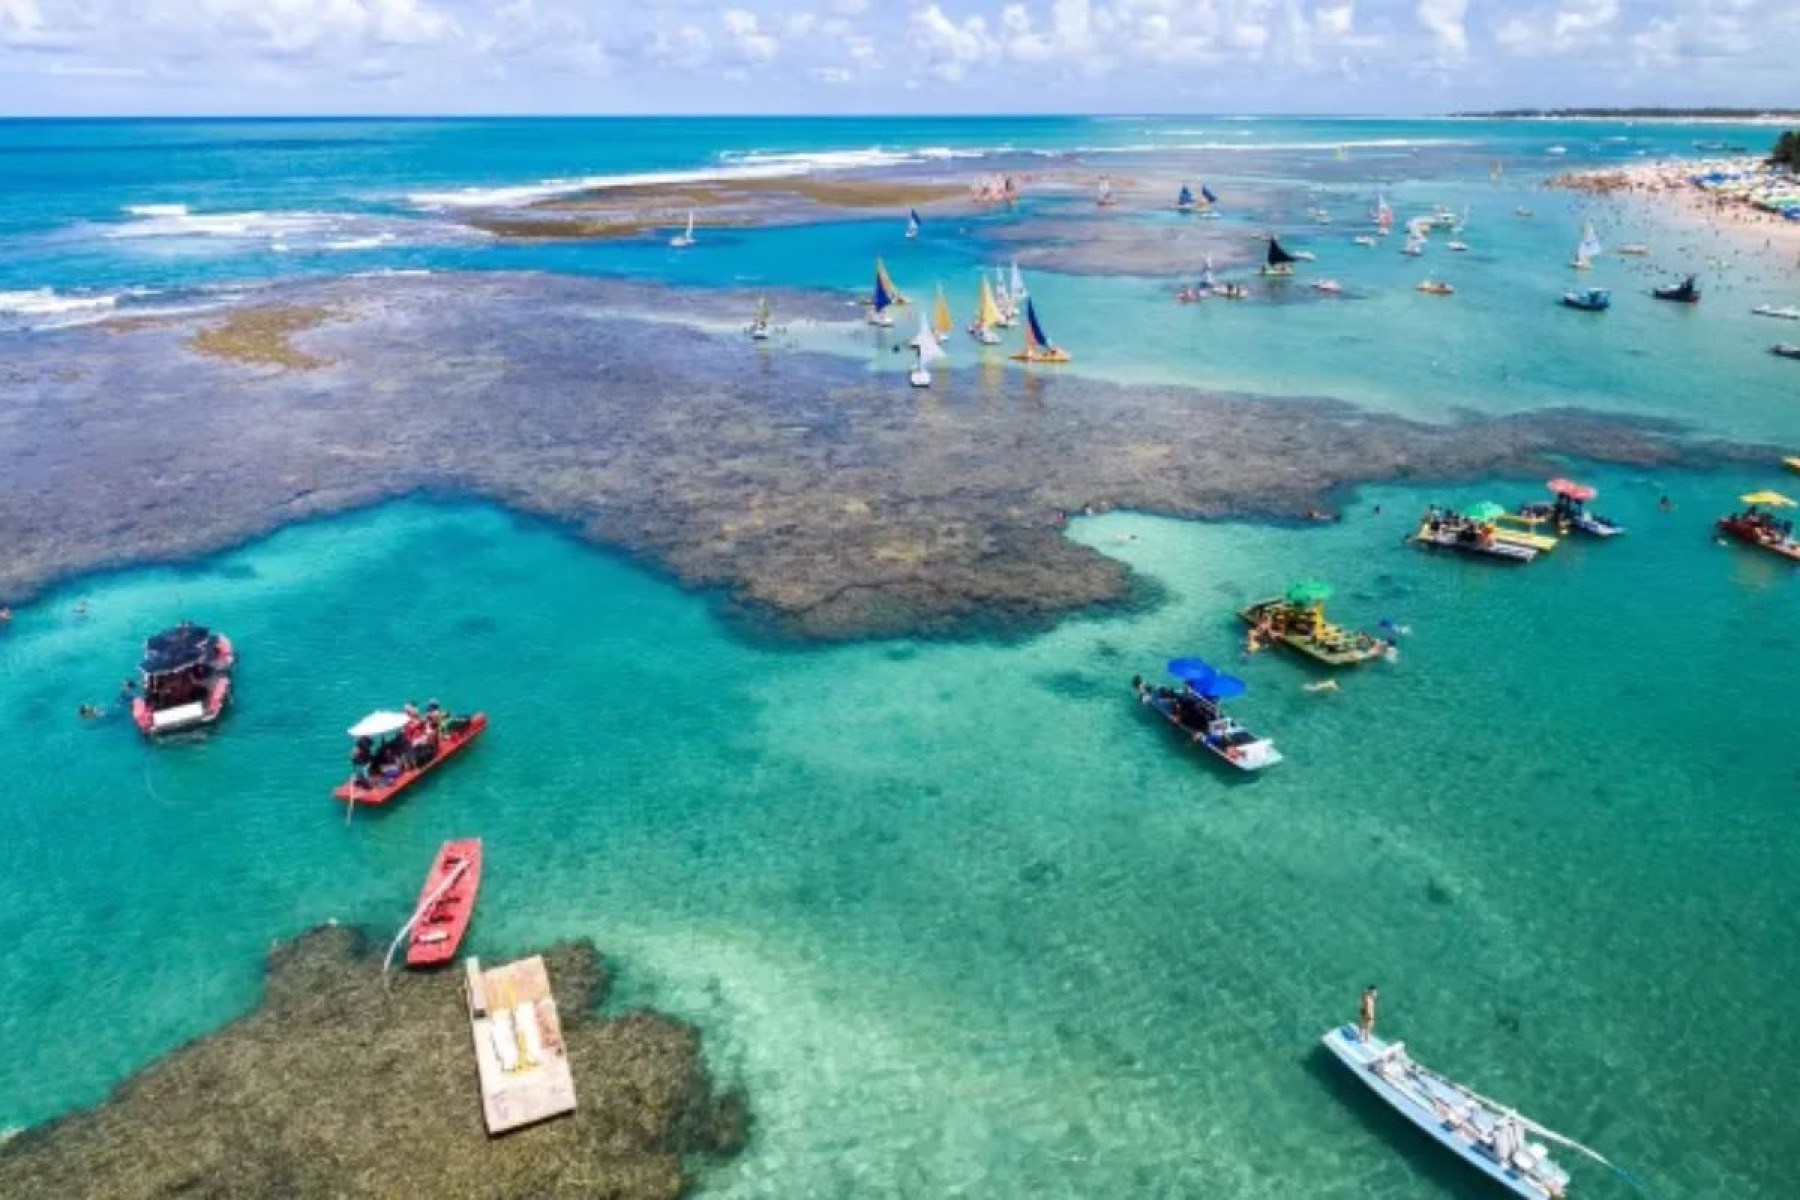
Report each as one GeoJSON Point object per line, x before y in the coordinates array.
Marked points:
{"type": "Point", "coordinates": [1772, 499]}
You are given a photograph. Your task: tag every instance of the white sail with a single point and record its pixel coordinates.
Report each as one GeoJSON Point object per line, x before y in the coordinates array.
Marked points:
{"type": "Point", "coordinates": [930, 350]}
{"type": "Point", "coordinates": [1206, 275]}
{"type": "Point", "coordinates": [1018, 284]}
{"type": "Point", "coordinates": [1105, 188]}
{"type": "Point", "coordinates": [1590, 245]}
{"type": "Point", "coordinates": [690, 225]}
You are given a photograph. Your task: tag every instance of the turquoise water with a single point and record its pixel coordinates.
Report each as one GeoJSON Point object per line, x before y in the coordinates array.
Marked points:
{"type": "Point", "coordinates": [959, 916]}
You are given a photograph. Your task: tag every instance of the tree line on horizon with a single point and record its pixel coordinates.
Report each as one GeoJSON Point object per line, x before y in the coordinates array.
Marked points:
{"type": "Point", "coordinates": [1787, 151]}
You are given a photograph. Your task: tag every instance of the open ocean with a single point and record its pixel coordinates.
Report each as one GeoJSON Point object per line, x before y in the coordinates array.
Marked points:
{"type": "Point", "coordinates": [961, 919]}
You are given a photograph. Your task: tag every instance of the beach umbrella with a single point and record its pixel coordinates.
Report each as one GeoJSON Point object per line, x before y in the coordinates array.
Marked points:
{"type": "Point", "coordinates": [1221, 687]}
{"type": "Point", "coordinates": [1192, 671]}
{"type": "Point", "coordinates": [1487, 510]}
{"type": "Point", "coordinates": [1572, 490]}
{"type": "Point", "coordinates": [1309, 591]}
{"type": "Point", "coordinates": [1772, 499]}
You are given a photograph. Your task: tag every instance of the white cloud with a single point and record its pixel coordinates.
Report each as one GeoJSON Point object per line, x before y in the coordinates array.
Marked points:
{"type": "Point", "coordinates": [949, 49]}
{"type": "Point", "coordinates": [745, 43]}
{"type": "Point", "coordinates": [1576, 26]}
{"type": "Point", "coordinates": [23, 27]}
{"type": "Point", "coordinates": [299, 27]}
{"type": "Point", "coordinates": [1443, 19]}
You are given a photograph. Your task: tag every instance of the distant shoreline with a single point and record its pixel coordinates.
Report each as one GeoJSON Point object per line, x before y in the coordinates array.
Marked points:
{"type": "Point", "coordinates": [1667, 116]}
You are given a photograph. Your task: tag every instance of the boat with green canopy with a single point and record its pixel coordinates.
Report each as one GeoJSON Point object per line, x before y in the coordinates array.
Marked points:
{"type": "Point", "coordinates": [1471, 533]}
{"type": "Point", "coordinates": [1297, 620]}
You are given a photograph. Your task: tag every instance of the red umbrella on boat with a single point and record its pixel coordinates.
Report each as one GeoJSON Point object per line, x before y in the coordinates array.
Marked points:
{"type": "Point", "coordinates": [1571, 490]}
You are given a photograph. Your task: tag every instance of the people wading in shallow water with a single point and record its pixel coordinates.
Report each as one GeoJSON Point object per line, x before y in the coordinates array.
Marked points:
{"type": "Point", "coordinates": [1365, 1021]}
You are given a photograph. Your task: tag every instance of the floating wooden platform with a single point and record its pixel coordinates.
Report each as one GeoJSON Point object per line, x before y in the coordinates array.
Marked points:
{"type": "Point", "coordinates": [519, 1053]}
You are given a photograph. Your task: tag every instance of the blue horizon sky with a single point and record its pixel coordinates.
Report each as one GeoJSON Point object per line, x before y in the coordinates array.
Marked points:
{"type": "Point", "coordinates": [938, 57]}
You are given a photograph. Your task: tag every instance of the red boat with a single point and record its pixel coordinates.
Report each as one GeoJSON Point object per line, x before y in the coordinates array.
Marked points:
{"type": "Point", "coordinates": [446, 903]}
{"type": "Point", "coordinates": [394, 751]}
{"type": "Point", "coordinates": [1759, 527]}
{"type": "Point", "coordinates": [187, 680]}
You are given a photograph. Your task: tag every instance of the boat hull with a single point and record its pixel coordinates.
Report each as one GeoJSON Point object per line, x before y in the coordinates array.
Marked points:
{"type": "Point", "coordinates": [1348, 1047]}
{"type": "Point", "coordinates": [1242, 751]}
{"type": "Point", "coordinates": [1751, 535]}
{"type": "Point", "coordinates": [449, 746]}
{"type": "Point", "coordinates": [197, 714]}
{"type": "Point", "coordinates": [1493, 549]}
{"type": "Point", "coordinates": [440, 928]}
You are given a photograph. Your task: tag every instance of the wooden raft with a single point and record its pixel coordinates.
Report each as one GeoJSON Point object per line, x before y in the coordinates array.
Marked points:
{"type": "Point", "coordinates": [519, 1052]}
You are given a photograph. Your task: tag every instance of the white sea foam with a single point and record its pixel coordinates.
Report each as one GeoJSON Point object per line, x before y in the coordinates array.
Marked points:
{"type": "Point", "coordinates": [250, 224]}
{"type": "Point", "coordinates": [48, 302]}
{"type": "Point", "coordinates": [157, 210]}
{"type": "Point", "coordinates": [744, 164]}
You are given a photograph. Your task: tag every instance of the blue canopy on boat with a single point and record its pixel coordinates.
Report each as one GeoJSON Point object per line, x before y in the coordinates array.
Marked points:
{"type": "Point", "coordinates": [1208, 193]}
{"type": "Point", "coordinates": [1221, 687]}
{"type": "Point", "coordinates": [1190, 670]}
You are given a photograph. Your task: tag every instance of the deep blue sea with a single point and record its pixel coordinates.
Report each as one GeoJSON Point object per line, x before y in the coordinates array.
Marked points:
{"type": "Point", "coordinates": [956, 915]}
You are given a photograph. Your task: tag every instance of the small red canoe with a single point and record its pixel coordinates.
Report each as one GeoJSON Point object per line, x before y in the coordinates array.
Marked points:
{"type": "Point", "coordinates": [384, 786]}
{"type": "Point", "coordinates": [446, 903]}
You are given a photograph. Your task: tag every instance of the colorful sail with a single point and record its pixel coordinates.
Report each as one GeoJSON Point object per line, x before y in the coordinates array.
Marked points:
{"type": "Point", "coordinates": [882, 298]}
{"type": "Point", "coordinates": [1211, 198]}
{"type": "Point", "coordinates": [1034, 332]}
{"type": "Point", "coordinates": [912, 223]}
{"type": "Point", "coordinates": [987, 313]}
{"type": "Point", "coordinates": [940, 318]}
{"type": "Point", "coordinates": [885, 282]}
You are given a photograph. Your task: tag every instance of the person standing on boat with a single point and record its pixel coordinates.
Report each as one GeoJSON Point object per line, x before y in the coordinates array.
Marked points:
{"type": "Point", "coordinates": [1365, 1022]}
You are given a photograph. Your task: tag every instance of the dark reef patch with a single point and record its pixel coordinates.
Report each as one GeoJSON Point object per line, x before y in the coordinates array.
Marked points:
{"type": "Point", "coordinates": [340, 1086]}
{"type": "Point", "coordinates": [814, 499]}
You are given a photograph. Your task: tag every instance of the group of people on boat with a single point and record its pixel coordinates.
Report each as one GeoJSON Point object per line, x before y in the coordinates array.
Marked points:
{"type": "Point", "coordinates": [1763, 524]}
{"type": "Point", "coordinates": [412, 747]}
{"type": "Point", "coordinates": [1441, 522]}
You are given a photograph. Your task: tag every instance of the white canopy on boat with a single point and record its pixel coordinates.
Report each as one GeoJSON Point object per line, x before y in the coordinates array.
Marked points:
{"type": "Point", "coordinates": [379, 724]}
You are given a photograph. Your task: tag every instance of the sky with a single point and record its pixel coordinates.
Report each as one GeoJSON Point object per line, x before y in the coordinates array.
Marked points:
{"type": "Point", "coordinates": [220, 57]}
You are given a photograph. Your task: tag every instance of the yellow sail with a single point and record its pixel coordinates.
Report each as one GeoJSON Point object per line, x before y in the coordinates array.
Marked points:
{"type": "Point", "coordinates": [987, 313]}
{"type": "Point", "coordinates": [940, 317]}
{"type": "Point", "coordinates": [887, 281]}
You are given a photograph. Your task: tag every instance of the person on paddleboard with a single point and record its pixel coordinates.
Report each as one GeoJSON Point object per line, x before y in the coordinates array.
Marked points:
{"type": "Point", "coordinates": [1365, 1021]}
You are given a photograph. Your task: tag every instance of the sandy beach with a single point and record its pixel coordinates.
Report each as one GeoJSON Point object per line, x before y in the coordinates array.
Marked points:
{"type": "Point", "coordinates": [1669, 187]}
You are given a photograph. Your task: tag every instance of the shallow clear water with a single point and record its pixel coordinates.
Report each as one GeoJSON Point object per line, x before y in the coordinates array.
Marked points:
{"type": "Point", "coordinates": [959, 916]}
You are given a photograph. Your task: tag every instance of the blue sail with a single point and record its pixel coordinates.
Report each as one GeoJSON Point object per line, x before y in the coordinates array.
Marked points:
{"type": "Point", "coordinates": [1208, 193]}
{"type": "Point", "coordinates": [1037, 331]}
{"type": "Point", "coordinates": [882, 299]}
{"type": "Point", "coordinates": [915, 216]}
{"type": "Point", "coordinates": [1186, 197]}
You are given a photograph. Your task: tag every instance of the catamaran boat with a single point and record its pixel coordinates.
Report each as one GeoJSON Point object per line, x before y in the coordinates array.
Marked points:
{"type": "Point", "coordinates": [1685, 292]}
{"type": "Point", "coordinates": [1038, 346]}
{"type": "Point", "coordinates": [1279, 262]}
{"type": "Point", "coordinates": [186, 680]}
{"type": "Point", "coordinates": [1588, 300]}
{"type": "Point", "coordinates": [1489, 1136]}
{"type": "Point", "coordinates": [1473, 536]}
{"type": "Point", "coordinates": [1195, 709]}
{"type": "Point", "coordinates": [682, 241]}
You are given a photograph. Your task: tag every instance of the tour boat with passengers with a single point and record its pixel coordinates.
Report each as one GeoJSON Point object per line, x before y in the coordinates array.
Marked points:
{"type": "Point", "coordinates": [1472, 534]}
{"type": "Point", "coordinates": [186, 680]}
{"type": "Point", "coordinates": [394, 750]}
{"type": "Point", "coordinates": [1758, 525]}
{"type": "Point", "coordinates": [1297, 621]}
{"type": "Point", "coordinates": [1568, 511]}
{"type": "Point", "coordinates": [1196, 710]}
{"type": "Point", "coordinates": [1490, 1136]}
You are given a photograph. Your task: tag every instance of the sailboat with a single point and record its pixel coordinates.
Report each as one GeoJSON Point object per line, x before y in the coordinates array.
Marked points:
{"type": "Point", "coordinates": [1208, 281]}
{"type": "Point", "coordinates": [1415, 243]}
{"type": "Point", "coordinates": [1384, 215]}
{"type": "Point", "coordinates": [1009, 312]}
{"type": "Point", "coordinates": [1105, 198]}
{"type": "Point", "coordinates": [1343, 153]}
{"type": "Point", "coordinates": [881, 300]}
{"type": "Point", "coordinates": [1211, 211]}
{"type": "Point", "coordinates": [760, 328]}
{"type": "Point", "coordinates": [1016, 288]}
{"type": "Point", "coordinates": [1038, 348]}
{"type": "Point", "coordinates": [682, 241]}
{"type": "Point", "coordinates": [1279, 261]}
{"type": "Point", "coordinates": [928, 350]}
{"type": "Point", "coordinates": [895, 295]}
{"type": "Point", "coordinates": [987, 316]}
{"type": "Point", "coordinates": [1588, 250]}
{"type": "Point", "coordinates": [1185, 201]}
{"type": "Point", "coordinates": [941, 323]}
{"type": "Point", "coordinates": [912, 223]}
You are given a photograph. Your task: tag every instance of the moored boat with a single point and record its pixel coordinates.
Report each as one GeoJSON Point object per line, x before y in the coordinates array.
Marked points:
{"type": "Point", "coordinates": [1758, 526]}
{"type": "Point", "coordinates": [1297, 621]}
{"type": "Point", "coordinates": [186, 680]}
{"type": "Point", "coordinates": [1447, 529]}
{"type": "Point", "coordinates": [393, 751]}
{"type": "Point", "coordinates": [1785, 350]}
{"type": "Point", "coordinates": [1520, 528]}
{"type": "Point", "coordinates": [1685, 292]}
{"type": "Point", "coordinates": [446, 904]}
{"type": "Point", "coordinates": [1792, 462]}
{"type": "Point", "coordinates": [1588, 300]}
{"type": "Point", "coordinates": [1195, 709]}
{"type": "Point", "coordinates": [1278, 262]}
{"type": "Point", "coordinates": [1491, 1137]}
{"type": "Point", "coordinates": [1436, 287]}
{"type": "Point", "coordinates": [1568, 511]}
